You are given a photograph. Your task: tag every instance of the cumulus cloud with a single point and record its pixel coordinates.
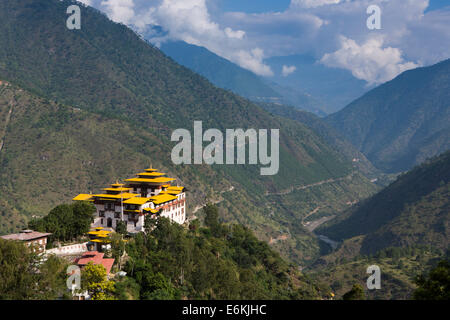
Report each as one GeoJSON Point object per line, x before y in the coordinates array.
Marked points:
{"type": "Point", "coordinates": [253, 61]}
{"type": "Point", "coordinates": [189, 21]}
{"type": "Point", "coordinates": [86, 2]}
{"type": "Point", "coordinates": [287, 70]}
{"type": "Point", "coordinates": [234, 34]}
{"type": "Point", "coordinates": [119, 10]}
{"type": "Point", "coordinates": [327, 30]}
{"type": "Point", "coordinates": [370, 61]}
{"type": "Point", "coordinates": [313, 3]}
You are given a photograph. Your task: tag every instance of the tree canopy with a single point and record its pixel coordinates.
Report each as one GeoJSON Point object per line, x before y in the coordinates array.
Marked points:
{"type": "Point", "coordinates": [436, 285]}
{"type": "Point", "coordinates": [23, 276]}
{"type": "Point", "coordinates": [66, 221]}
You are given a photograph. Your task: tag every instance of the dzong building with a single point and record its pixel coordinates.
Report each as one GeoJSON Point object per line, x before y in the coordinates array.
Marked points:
{"type": "Point", "coordinates": [150, 193]}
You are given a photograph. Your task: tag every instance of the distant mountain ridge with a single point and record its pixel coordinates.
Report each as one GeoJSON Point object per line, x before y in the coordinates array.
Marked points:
{"type": "Point", "coordinates": [402, 122]}
{"type": "Point", "coordinates": [328, 133]}
{"type": "Point", "coordinates": [228, 75]}
{"type": "Point", "coordinates": [219, 71]}
{"type": "Point", "coordinates": [334, 88]}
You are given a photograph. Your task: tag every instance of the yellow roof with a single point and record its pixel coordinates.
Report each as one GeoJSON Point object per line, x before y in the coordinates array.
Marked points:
{"type": "Point", "coordinates": [117, 189]}
{"type": "Point", "coordinates": [155, 180]}
{"type": "Point", "coordinates": [117, 185]}
{"type": "Point", "coordinates": [82, 197]}
{"type": "Point", "coordinates": [158, 199]}
{"type": "Point", "coordinates": [151, 170]}
{"type": "Point", "coordinates": [151, 210]}
{"type": "Point", "coordinates": [175, 188]}
{"type": "Point", "coordinates": [116, 196]}
{"type": "Point", "coordinates": [137, 200]}
{"type": "Point", "coordinates": [99, 232]}
{"type": "Point", "coordinates": [134, 211]}
{"type": "Point", "coordinates": [101, 240]}
{"type": "Point", "coordinates": [151, 174]}
{"type": "Point", "coordinates": [173, 192]}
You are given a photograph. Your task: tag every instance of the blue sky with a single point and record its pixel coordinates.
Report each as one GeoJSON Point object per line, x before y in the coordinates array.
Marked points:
{"type": "Point", "coordinates": [438, 4]}
{"type": "Point", "coordinates": [254, 6]}
{"type": "Point", "coordinates": [260, 6]}
{"type": "Point", "coordinates": [247, 32]}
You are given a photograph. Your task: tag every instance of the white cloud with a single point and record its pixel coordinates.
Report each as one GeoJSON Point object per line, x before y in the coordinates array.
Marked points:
{"type": "Point", "coordinates": [313, 27]}
{"type": "Point", "coordinates": [287, 70]}
{"type": "Point", "coordinates": [253, 61]}
{"type": "Point", "coordinates": [313, 3]}
{"type": "Point", "coordinates": [190, 21]}
{"type": "Point", "coordinates": [119, 10]}
{"type": "Point", "coordinates": [86, 2]}
{"type": "Point", "coordinates": [370, 61]}
{"type": "Point", "coordinates": [234, 34]}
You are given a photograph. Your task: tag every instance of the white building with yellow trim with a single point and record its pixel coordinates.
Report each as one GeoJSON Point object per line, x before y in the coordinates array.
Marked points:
{"type": "Point", "coordinates": [149, 193]}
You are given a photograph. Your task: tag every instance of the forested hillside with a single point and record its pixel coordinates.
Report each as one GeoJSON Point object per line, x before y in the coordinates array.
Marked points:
{"type": "Point", "coordinates": [415, 209]}
{"type": "Point", "coordinates": [402, 122]}
{"type": "Point", "coordinates": [170, 262]}
{"type": "Point", "coordinates": [403, 229]}
{"type": "Point", "coordinates": [96, 105]}
{"type": "Point", "coordinates": [213, 262]}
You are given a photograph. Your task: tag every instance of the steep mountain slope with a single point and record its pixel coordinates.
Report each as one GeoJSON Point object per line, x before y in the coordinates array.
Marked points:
{"type": "Point", "coordinates": [228, 75]}
{"type": "Point", "coordinates": [219, 71]}
{"type": "Point", "coordinates": [404, 229]}
{"type": "Point", "coordinates": [327, 132]}
{"type": "Point", "coordinates": [333, 87]}
{"type": "Point", "coordinates": [94, 105]}
{"type": "Point", "coordinates": [52, 151]}
{"type": "Point", "coordinates": [414, 210]}
{"type": "Point", "coordinates": [400, 123]}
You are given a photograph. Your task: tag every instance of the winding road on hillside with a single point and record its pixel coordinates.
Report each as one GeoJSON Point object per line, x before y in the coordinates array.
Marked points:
{"type": "Point", "coordinates": [197, 208]}
{"type": "Point", "coordinates": [292, 189]}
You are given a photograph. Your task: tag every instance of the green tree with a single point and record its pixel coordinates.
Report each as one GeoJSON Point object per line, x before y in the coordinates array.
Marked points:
{"type": "Point", "coordinates": [117, 248]}
{"type": "Point", "coordinates": [149, 224]}
{"type": "Point", "coordinates": [211, 215]}
{"type": "Point", "coordinates": [17, 274]}
{"type": "Point", "coordinates": [121, 227]}
{"type": "Point", "coordinates": [24, 277]}
{"type": "Point", "coordinates": [127, 289]}
{"type": "Point", "coordinates": [94, 280]}
{"type": "Point", "coordinates": [66, 221]}
{"type": "Point", "coordinates": [356, 293]}
{"type": "Point", "coordinates": [53, 277]}
{"type": "Point", "coordinates": [435, 286]}
{"type": "Point", "coordinates": [157, 287]}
